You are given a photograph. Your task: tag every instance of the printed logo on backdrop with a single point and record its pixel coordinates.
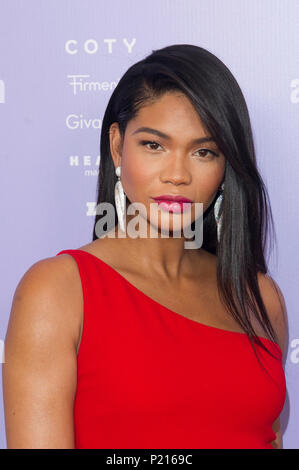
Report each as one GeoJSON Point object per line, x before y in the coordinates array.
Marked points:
{"type": "Point", "coordinates": [2, 91]}
{"type": "Point", "coordinates": [84, 83]}
{"type": "Point", "coordinates": [81, 84]}
{"type": "Point", "coordinates": [79, 121]}
{"type": "Point", "coordinates": [93, 46]}
{"type": "Point", "coordinates": [294, 96]}
{"type": "Point", "coordinates": [89, 163]}
{"type": "Point", "coordinates": [294, 355]}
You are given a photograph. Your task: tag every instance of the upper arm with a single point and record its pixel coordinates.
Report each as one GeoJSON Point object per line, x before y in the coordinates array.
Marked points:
{"type": "Point", "coordinates": [277, 312]}
{"type": "Point", "coordinates": [39, 372]}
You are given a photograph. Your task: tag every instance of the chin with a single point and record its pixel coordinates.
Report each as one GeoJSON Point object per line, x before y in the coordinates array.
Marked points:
{"type": "Point", "coordinates": [171, 230]}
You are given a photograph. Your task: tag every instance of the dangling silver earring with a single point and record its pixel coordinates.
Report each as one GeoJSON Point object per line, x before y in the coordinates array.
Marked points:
{"type": "Point", "coordinates": [120, 200]}
{"type": "Point", "coordinates": [216, 212]}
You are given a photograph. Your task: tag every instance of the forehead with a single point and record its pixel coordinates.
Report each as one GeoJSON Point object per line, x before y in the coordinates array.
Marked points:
{"type": "Point", "coordinates": [173, 114]}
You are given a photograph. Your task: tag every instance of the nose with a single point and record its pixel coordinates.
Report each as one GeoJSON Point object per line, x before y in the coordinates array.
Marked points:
{"type": "Point", "coordinates": [175, 171]}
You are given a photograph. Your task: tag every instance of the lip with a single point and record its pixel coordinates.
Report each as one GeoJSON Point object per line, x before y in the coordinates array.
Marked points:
{"type": "Point", "coordinates": [172, 198]}
{"type": "Point", "coordinates": [176, 204]}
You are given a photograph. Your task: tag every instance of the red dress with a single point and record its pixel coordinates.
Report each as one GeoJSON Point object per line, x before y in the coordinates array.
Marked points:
{"type": "Point", "coordinates": [149, 378]}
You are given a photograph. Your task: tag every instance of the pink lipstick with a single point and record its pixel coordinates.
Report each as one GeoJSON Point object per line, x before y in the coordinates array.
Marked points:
{"type": "Point", "coordinates": [173, 203]}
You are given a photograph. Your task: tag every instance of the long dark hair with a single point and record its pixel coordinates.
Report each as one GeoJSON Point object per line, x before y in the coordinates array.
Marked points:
{"type": "Point", "coordinates": [245, 208]}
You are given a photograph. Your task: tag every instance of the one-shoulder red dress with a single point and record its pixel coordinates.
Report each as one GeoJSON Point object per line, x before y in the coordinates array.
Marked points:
{"type": "Point", "coordinates": [150, 378]}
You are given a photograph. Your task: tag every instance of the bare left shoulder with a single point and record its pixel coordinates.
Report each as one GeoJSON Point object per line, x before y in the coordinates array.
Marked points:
{"type": "Point", "coordinates": [276, 308]}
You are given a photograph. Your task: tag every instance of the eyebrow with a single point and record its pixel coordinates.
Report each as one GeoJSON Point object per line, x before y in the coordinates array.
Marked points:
{"type": "Point", "coordinates": [167, 137]}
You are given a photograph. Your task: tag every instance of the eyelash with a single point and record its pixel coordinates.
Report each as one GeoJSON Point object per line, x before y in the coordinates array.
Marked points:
{"type": "Point", "coordinates": [145, 142]}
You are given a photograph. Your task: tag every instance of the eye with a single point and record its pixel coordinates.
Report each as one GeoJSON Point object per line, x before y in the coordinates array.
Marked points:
{"type": "Point", "coordinates": [150, 142]}
{"type": "Point", "coordinates": [209, 151]}
{"type": "Point", "coordinates": [144, 143]}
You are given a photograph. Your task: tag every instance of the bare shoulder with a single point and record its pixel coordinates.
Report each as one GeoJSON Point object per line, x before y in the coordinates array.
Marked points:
{"type": "Point", "coordinates": [276, 307]}
{"type": "Point", "coordinates": [49, 287]}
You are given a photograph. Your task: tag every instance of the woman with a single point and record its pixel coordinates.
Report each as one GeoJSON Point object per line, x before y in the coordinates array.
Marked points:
{"type": "Point", "coordinates": [138, 342]}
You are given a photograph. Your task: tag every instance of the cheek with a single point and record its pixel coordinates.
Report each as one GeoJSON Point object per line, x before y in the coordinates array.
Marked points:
{"type": "Point", "coordinates": [208, 180]}
{"type": "Point", "coordinates": [138, 176]}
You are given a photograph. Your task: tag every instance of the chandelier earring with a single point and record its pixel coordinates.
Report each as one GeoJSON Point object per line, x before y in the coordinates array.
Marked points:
{"type": "Point", "coordinates": [218, 218]}
{"type": "Point", "coordinates": [120, 200]}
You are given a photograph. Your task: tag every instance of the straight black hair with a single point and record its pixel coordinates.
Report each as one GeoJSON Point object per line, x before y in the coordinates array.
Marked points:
{"type": "Point", "coordinates": [245, 208]}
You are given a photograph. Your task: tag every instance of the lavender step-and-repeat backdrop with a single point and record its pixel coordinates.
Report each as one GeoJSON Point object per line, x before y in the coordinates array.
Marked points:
{"type": "Point", "coordinates": [60, 60]}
